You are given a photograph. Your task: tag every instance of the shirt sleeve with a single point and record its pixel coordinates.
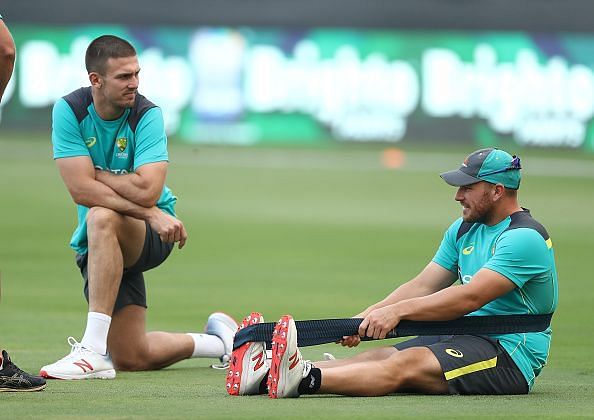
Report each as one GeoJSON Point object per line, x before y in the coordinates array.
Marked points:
{"type": "Point", "coordinates": [447, 253]}
{"type": "Point", "coordinates": [520, 255]}
{"type": "Point", "coordinates": [151, 140]}
{"type": "Point", "coordinates": [67, 140]}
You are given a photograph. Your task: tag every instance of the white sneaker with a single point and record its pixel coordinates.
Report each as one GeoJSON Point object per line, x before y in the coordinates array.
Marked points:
{"type": "Point", "coordinates": [288, 367]}
{"type": "Point", "coordinates": [248, 364]}
{"type": "Point", "coordinates": [224, 327]}
{"type": "Point", "coordinates": [81, 363]}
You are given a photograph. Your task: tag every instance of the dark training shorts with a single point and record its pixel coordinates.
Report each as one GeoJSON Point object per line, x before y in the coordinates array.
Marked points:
{"type": "Point", "coordinates": [132, 289]}
{"type": "Point", "coordinates": [473, 364]}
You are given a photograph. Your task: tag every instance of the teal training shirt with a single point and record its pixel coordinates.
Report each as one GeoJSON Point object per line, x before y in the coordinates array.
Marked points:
{"type": "Point", "coordinates": [120, 146]}
{"type": "Point", "coordinates": [520, 249]}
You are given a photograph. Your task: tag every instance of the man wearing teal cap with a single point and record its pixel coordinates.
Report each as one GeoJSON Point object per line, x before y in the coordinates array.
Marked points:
{"type": "Point", "coordinates": [491, 165]}
{"type": "Point", "coordinates": [504, 263]}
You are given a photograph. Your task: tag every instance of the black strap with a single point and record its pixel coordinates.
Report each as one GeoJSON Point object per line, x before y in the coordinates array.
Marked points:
{"type": "Point", "coordinates": [321, 331]}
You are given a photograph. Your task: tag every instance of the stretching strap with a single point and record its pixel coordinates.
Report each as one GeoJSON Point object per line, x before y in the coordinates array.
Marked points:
{"type": "Point", "coordinates": [321, 331]}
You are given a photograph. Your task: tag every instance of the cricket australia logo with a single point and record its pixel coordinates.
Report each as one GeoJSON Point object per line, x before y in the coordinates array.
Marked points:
{"type": "Point", "coordinates": [122, 143]}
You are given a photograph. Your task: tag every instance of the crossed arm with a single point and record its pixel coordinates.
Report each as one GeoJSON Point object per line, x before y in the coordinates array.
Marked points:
{"type": "Point", "coordinates": [428, 297]}
{"type": "Point", "coordinates": [142, 187]}
{"type": "Point", "coordinates": [132, 194]}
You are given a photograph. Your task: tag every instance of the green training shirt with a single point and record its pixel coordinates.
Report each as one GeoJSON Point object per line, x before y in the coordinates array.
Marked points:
{"type": "Point", "coordinates": [520, 249]}
{"type": "Point", "coordinates": [120, 146]}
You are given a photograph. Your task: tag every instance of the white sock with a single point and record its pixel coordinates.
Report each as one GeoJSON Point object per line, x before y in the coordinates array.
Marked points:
{"type": "Point", "coordinates": [95, 337]}
{"type": "Point", "coordinates": [206, 345]}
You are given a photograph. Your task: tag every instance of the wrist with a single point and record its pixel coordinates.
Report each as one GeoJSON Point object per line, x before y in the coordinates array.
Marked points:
{"type": "Point", "coordinates": [367, 311]}
{"type": "Point", "coordinates": [102, 176]}
{"type": "Point", "coordinates": [151, 213]}
{"type": "Point", "coordinates": [398, 309]}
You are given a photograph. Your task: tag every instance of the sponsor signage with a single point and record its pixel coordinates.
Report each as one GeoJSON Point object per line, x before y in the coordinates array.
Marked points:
{"type": "Point", "coordinates": [256, 85]}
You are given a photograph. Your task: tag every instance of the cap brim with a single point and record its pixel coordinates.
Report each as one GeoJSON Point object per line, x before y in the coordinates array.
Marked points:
{"type": "Point", "coordinates": [457, 178]}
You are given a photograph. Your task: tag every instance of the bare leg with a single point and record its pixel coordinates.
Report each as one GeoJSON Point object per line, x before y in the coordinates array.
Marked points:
{"type": "Point", "coordinates": [414, 369]}
{"type": "Point", "coordinates": [132, 348]}
{"type": "Point", "coordinates": [115, 242]}
{"type": "Point", "coordinates": [369, 355]}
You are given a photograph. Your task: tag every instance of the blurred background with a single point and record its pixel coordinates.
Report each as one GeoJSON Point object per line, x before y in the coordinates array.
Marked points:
{"type": "Point", "coordinates": [265, 72]}
{"type": "Point", "coordinates": [306, 139]}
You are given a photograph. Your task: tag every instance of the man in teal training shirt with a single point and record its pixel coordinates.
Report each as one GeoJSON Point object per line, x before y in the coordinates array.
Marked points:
{"type": "Point", "coordinates": [110, 147]}
{"type": "Point", "coordinates": [504, 262]}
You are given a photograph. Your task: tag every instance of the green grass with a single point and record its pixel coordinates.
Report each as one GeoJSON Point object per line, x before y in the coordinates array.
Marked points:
{"type": "Point", "coordinates": [315, 233]}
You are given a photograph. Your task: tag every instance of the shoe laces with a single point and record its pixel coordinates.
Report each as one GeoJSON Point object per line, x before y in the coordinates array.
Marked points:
{"type": "Point", "coordinates": [76, 347]}
{"type": "Point", "coordinates": [17, 370]}
{"type": "Point", "coordinates": [307, 365]}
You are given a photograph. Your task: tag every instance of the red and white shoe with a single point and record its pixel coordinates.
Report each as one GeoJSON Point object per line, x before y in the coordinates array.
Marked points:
{"type": "Point", "coordinates": [248, 364]}
{"type": "Point", "coordinates": [288, 367]}
{"type": "Point", "coordinates": [81, 363]}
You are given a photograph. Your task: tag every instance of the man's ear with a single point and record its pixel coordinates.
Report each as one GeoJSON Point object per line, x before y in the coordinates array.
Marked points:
{"type": "Point", "coordinates": [95, 79]}
{"type": "Point", "coordinates": [498, 191]}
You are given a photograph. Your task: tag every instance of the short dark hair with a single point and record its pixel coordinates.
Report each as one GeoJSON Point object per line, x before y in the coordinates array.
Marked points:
{"type": "Point", "coordinates": [105, 47]}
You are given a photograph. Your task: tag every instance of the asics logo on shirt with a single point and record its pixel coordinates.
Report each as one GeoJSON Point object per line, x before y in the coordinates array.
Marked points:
{"type": "Point", "coordinates": [468, 250]}
{"type": "Point", "coordinates": [90, 142]}
{"type": "Point", "coordinates": [465, 279]}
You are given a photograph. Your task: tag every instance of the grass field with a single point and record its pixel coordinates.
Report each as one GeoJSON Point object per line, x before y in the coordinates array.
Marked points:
{"type": "Point", "coordinates": [315, 233]}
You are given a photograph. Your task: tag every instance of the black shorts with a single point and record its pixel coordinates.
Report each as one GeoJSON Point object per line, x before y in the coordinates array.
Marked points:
{"type": "Point", "coordinates": [473, 364]}
{"type": "Point", "coordinates": [132, 289]}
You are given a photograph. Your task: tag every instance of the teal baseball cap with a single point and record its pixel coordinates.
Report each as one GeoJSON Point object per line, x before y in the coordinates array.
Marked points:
{"type": "Point", "coordinates": [490, 165]}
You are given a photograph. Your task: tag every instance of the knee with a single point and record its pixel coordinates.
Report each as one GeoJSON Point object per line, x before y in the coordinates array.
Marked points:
{"type": "Point", "coordinates": [416, 369]}
{"type": "Point", "coordinates": [99, 218]}
{"type": "Point", "coordinates": [129, 363]}
{"type": "Point", "coordinates": [397, 370]}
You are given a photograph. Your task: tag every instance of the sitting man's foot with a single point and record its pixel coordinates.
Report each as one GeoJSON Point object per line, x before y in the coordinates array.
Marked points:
{"type": "Point", "coordinates": [224, 327]}
{"type": "Point", "coordinates": [13, 379]}
{"type": "Point", "coordinates": [248, 364]}
{"type": "Point", "coordinates": [288, 367]}
{"type": "Point", "coordinates": [81, 363]}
